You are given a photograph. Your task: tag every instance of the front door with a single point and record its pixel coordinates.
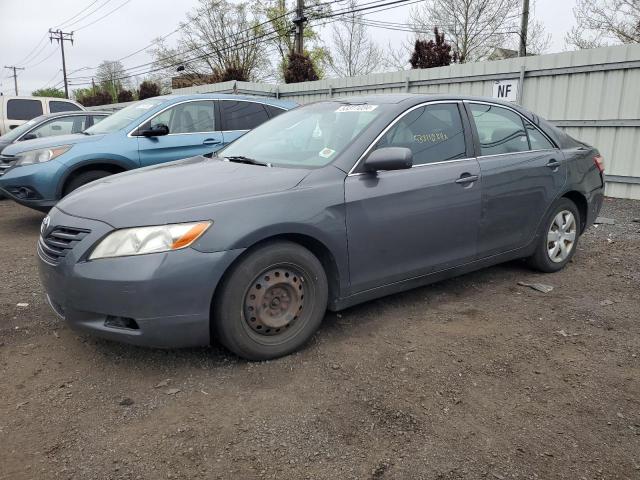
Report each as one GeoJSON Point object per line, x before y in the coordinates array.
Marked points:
{"type": "Point", "coordinates": [407, 223]}
{"type": "Point", "coordinates": [522, 174]}
{"type": "Point", "coordinates": [192, 131]}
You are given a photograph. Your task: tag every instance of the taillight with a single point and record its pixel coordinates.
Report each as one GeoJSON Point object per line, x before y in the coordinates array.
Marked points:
{"type": "Point", "coordinates": [599, 161]}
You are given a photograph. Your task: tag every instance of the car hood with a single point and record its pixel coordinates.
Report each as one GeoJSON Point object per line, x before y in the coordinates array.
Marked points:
{"type": "Point", "coordinates": [3, 144]}
{"type": "Point", "coordinates": [175, 192]}
{"type": "Point", "coordinates": [48, 142]}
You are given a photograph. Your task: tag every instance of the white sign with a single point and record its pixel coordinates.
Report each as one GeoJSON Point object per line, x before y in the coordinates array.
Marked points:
{"type": "Point", "coordinates": [506, 90]}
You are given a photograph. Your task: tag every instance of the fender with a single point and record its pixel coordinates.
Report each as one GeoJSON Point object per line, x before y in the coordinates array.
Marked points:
{"type": "Point", "coordinates": [123, 163]}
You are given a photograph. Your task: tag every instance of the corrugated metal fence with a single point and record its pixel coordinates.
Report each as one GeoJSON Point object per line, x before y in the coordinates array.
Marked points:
{"type": "Point", "coordinates": [593, 94]}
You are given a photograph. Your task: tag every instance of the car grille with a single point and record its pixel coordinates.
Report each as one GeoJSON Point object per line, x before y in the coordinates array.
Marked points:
{"type": "Point", "coordinates": [59, 241]}
{"type": "Point", "coordinates": [6, 163]}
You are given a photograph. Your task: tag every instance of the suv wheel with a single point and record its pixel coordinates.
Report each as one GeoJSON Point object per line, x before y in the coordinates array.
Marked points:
{"type": "Point", "coordinates": [83, 178]}
{"type": "Point", "coordinates": [271, 302]}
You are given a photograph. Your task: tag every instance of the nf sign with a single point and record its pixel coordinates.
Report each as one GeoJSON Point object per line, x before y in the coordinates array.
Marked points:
{"type": "Point", "coordinates": [506, 90]}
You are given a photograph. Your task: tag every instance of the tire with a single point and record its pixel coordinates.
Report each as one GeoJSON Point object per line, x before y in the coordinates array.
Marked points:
{"type": "Point", "coordinates": [550, 256]}
{"type": "Point", "coordinates": [84, 178]}
{"type": "Point", "coordinates": [271, 302]}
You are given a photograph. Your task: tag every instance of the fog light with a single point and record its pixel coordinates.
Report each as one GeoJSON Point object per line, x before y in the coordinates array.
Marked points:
{"type": "Point", "coordinates": [24, 193]}
{"type": "Point", "coordinates": [121, 322]}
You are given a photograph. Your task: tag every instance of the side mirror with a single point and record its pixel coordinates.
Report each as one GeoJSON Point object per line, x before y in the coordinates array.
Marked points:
{"type": "Point", "coordinates": [158, 130]}
{"type": "Point", "coordinates": [29, 136]}
{"type": "Point", "coordinates": [389, 158]}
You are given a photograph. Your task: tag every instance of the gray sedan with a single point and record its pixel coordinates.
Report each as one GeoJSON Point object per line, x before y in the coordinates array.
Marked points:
{"type": "Point", "coordinates": [323, 207]}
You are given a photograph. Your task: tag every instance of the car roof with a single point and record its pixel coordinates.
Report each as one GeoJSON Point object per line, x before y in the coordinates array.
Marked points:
{"type": "Point", "coordinates": [229, 96]}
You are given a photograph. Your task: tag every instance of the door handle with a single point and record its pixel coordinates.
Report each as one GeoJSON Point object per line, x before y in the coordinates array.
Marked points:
{"type": "Point", "coordinates": [553, 164]}
{"type": "Point", "coordinates": [211, 141]}
{"type": "Point", "coordinates": [466, 178]}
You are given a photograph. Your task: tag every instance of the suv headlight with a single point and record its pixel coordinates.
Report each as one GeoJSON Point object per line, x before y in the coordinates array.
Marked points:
{"type": "Point", "coordinates": [41, 155]}
{"type": "Point", "coordinates": [141, 240]}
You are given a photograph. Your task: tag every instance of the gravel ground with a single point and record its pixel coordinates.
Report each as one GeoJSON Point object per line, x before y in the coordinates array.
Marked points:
{"type": "Point", "coordinates": [474, 377]}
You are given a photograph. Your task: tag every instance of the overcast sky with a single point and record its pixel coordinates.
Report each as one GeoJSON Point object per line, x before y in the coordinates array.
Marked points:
{"type": "Point", "coordinates": [24, 24]}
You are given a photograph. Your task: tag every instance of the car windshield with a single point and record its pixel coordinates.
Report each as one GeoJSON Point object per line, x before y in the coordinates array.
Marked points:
{"type": "Point", "coordinates": [123, 117]}
{"type": "Point", "coordinates": [307, 137]}
{"type": "Point", "coordinates": [12, 135]}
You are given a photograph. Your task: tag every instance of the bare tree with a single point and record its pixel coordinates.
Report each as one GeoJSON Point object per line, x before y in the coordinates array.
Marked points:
{"type": "Point", "coordinates": [473, 27]}
{"type": "Point", "coordinates": [219, 39]}
{"type": "Point", "coordinates": [602, 22]}
{"type": "Point", "coordinates": [112, 77]}
{"type": "Point", "coordinates": [397, 58]}
{"type": "Point", "coordinates": [353, 51]}
{"type": "Point", "coordinates": [538, 39]}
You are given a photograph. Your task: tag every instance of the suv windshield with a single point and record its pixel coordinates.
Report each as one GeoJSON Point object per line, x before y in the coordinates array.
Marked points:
{"type": "Point", "coordinates": [12, 135]}
{"type": "Point", "coordinates": [307, 137]}
{"type": "Point", "coordinates": [123, 117]}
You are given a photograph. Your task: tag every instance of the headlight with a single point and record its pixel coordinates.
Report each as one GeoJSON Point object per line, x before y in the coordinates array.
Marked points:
{"type": "Point", "coordinates": [137, 241]}
{"type": "Point", "coordinates": [41, 155]}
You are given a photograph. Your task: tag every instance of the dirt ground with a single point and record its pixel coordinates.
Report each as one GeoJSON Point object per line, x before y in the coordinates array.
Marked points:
{"type": "Point", "coordinates": [475, 377]}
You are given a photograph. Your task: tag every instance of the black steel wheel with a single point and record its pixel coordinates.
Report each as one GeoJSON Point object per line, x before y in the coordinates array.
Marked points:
{"type": "Point", "coordinates": [271, 302]}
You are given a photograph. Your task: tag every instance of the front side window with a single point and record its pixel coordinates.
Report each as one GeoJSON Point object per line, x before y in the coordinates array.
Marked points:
{"type": "Point", "coordinates": [19, 109]}
{"type": "Point", "coordinates": [433, 133]}
{"type": "Point", "coordinates": [307, 137]}
{"type": "Point", "coordinates": [500, 130]}
{"type": "Point", "coordinates": [190, 117]}
{"type": "Point", "coordinates": [59, 126]}
{"type": "Point", "coordinates": [124, 117]}
{"type": "Point", "coordinates": [56, 106]}
{"type": "Point", "coordinates": [238, 115]}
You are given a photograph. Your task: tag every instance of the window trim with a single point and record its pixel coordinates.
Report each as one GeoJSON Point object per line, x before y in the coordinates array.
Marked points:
{"type": "Point", "coordinates": [50, 101]}
{"type": "Point", "coordinates": [522, 118]}
{"type": "Point", "coordinates": [131, 133]}
{"type": "Point", "coordinates": [353, 173]}
{"type": "Point", "coordinates": [262, 104]}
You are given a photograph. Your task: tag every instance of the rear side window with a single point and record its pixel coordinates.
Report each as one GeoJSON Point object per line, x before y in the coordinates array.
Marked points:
{"type": "Point", "coordinates": [273, 111]}
{"type": "Point", "coordinates": [56, 106]}
{"type": "Point", "coordinates": [434, 133]}
{"type": "Point", "coordinates": [500, 130]}
{"type": "Point", "coordinates": [242, 115]}
{"type": "Point", "coordinates": [19, 109]}
{"type": "Point", "coordinates": [536, 139]}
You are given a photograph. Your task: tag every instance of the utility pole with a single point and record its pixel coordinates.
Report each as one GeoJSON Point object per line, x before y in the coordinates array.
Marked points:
{"type": "Point", "coordinates": [61, 37]}
{"type": "Point", "coordinates": [299, 22]}
{"type": "Point", "coordinates": [15, 76]}
{"type": "Point", "coordinates": [524, 25]}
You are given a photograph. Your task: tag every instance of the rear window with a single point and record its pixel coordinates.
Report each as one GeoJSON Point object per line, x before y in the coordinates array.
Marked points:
{"type": "Point", "coordinates": [56, 106]}
{"type": "Point", "coordinates": [238, 115]}
{"type": "Point", "coordinates": [22, 109]}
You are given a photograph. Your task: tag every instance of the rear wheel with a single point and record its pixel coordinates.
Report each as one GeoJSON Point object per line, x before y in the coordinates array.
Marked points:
{"type": "Point", "coordinates": [272, 302]}
{"type": "Point", "coordinates": [84, 178]}
{"type": "Point", "coordinates": [558, 238]}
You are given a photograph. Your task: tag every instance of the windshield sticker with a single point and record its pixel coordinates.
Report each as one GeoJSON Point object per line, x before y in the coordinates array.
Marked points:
{"type": "Point", "coordinates": [435, 137]}
{"type": "Point", "coordinates": [356, 108]}
{"type": "Point", "coordinates": [145, 106]}
{"type": "Point", "coordinates": [326, 152]}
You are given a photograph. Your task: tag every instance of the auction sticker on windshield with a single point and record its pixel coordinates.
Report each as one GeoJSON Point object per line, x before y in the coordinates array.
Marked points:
{"type": "Point", "coordinates": [356, 108]}
{"type": "Point", "coordinates": [326, 152]}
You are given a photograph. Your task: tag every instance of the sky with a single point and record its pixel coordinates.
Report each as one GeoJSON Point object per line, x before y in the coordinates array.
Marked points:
{"type": "Point", "coordinates": [129, 25]}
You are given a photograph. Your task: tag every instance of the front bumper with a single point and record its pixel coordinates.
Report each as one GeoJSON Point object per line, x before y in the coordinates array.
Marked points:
{"type": "Point", "coordinates": [156, 300]}
{"type": "Point", "coordinates": [34, 186]}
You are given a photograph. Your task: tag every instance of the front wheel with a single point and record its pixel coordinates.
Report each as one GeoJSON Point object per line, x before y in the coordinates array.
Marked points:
{"type": "Point", "coordinates": [558, 238]}
{"type": "Point", "coordinates": [271, 302]}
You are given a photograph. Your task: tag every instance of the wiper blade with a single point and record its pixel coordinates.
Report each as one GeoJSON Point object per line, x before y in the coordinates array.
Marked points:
{"type": "Point", "coordinates": [85, 133]}
{"type": "Point", "coordinates": [250, 161]}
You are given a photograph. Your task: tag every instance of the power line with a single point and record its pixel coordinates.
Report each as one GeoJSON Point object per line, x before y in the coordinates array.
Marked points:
{"type": "Point", "coordinates": [103, 16]}
{"type": "Point", "coordinates": [62, 24]}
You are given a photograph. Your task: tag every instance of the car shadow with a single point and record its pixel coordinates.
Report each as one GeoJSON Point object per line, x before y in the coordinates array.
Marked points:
{"type": "Point", "coordinates": [349, 322]}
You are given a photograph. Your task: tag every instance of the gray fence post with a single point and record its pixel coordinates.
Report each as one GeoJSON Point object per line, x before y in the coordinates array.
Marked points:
{"type": "Point", "coordinates": [523, 70]}
{"type": "Point", "coordinates": [330, 91]}
{"type": "Point", "coordinates": [406, 85]}
{"type": "Point", "coordinates": [277, 91]}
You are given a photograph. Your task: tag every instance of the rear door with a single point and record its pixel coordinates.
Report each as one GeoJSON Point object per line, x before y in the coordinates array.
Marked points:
{"type": "Point", "coordinates": [522, 174]}
{"type": "Point", "coordinates": [192, 132]}
{"type": "Point", "coordinates": [407, 223]}
{"type": "Point", "coordinates": [239, 116]}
